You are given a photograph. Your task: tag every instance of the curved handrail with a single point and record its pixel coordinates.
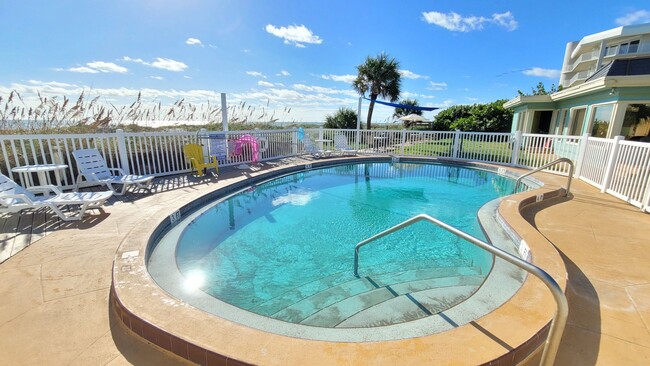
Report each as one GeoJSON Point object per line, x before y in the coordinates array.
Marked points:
{"type": "Point", "coordinates": [554, 162]}
{"type": "Point", "coordinates": [560, 317]}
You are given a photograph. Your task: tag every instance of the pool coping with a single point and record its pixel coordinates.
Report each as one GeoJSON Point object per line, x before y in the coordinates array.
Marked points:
{"type": "Point", "coordinates": [531, 309]}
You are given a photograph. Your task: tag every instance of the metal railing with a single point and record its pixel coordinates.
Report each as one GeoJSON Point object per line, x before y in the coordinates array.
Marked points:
{"type": "Point", "coordinates": [559, 319]}
{"type": "Point", "coordinates": [554, 162]}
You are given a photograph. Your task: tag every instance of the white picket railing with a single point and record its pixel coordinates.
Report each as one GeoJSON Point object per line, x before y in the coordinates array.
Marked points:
{"type": "Point", "coordinates": [617, 167]}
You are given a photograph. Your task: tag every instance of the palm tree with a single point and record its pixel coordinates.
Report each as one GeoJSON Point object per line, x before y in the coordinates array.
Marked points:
{"type": "Point", "coordinates": [379, 76]}
{"type": "Point", "coordinates": [405, 111]}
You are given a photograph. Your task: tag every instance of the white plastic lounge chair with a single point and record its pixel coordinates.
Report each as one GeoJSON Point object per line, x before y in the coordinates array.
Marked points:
{"type": "Point", "coordinates": [310, 148]}
{"type": "Point", "coordinates": [92, 167]}
{"type": "Point", "coordinates": [14, 198]}
{"type": "Point", "coordinates": [341, 145]}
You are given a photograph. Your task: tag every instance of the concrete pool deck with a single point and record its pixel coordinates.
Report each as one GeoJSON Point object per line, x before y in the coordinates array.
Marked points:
{"type": "Point", "coordinates": [55, 293]}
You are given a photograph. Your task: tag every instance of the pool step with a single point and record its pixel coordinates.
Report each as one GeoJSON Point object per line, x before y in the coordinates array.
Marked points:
{"type": "Point", "coordinates": [409, 307]}
{"type": "Point", "coordinates": [283, 300]}
{"type": "Point", "coordinates": [333, 305]}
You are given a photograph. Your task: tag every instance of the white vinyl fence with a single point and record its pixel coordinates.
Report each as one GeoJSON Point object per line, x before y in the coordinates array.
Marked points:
{"type": "Point", "coordinates": [620, 168]}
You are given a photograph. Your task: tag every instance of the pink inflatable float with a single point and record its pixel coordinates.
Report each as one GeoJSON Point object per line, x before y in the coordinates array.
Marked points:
{"type": "Point", "coordinates": [248, 140]}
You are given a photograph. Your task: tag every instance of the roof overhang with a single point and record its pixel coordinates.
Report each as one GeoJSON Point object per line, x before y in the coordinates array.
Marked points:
{"type": "Point", "coordinates": [624, 31]}
{"type": "Point", "coordinates": [527, 99]}
{"type": "Point", "coordinates": [602, 84]}
{"type": "Point", "coordinates": [590, 87]}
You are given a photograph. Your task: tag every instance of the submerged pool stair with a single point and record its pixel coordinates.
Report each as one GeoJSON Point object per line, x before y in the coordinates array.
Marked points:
{"type": "Point", "coordinates": [342, 300]}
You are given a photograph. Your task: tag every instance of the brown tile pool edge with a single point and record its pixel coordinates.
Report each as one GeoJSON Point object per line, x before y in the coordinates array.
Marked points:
{"type": "Point", "coordinates": [130, 278]}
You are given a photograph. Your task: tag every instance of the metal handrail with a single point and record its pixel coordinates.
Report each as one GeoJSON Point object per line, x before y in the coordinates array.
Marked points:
{"type": "Point", "coordinates": [554, 162]}
{"type": "Point", "coordinates": [559, 319]}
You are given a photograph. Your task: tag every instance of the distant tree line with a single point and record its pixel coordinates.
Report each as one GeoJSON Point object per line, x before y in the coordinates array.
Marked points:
{"type": "Point", "coordinates": [491, 117]}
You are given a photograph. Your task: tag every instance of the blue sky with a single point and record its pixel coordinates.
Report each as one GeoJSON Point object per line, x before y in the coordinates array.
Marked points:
{"type": "Point", "coordinates": [293, 54]}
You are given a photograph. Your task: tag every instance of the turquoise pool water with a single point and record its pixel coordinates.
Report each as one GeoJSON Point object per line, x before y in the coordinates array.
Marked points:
{"type": "Point", "coordinates": [299, 231]}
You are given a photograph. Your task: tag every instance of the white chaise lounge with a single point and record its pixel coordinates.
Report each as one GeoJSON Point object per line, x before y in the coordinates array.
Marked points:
{"type": "Point", "coordinates": [342, 147]}
{"type": "Point", "coordinates": [310, 148]}
{"type": "Point", "coordinates": [92, 167]}
{"type": "Point", "coordinates": [14, 198]}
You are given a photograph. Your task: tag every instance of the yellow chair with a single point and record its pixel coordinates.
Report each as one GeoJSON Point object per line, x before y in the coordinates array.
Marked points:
{"type": "Point", "coordinates": [194, 153]}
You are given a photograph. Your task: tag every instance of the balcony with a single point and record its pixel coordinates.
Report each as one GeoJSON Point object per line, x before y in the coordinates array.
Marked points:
{"type": "Point", "coordinates": [591, 56]}
{"type": "Point", "coordinates": [580, 76]}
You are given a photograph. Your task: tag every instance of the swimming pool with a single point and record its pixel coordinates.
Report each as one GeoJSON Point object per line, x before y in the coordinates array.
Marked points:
{"type": "Point", "coordinates": [283, 248]}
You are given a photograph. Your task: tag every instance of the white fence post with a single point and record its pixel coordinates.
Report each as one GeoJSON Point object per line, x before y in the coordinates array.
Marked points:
{"type": "Point", "coordinates": [456, 143]}
{"type": "Point", "coordinates": [121, 149]}
{"type": "Point", "coordinates": [294, 142]}
{"type": "Point", "coordinates": [609, 171]}
{"type": "Point", "coordinates": [645, 205]}
{"type": "Point", "coordinates": [203, 133]}
{"type": "Point", "coordinates": [516, 147]}
{"type": "Point", "coordinates": [582, 150]}
{"type": "Point", "coordinates": [224, 113]}
{"type": "Point", "coordinates": [401, 148]}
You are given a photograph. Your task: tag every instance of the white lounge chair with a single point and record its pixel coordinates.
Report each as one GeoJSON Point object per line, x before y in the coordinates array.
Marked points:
{"type": "Point", "coordinates": [310, 148]}
{"type": "Point", "coordinates": [92, 167]}
{"type": "Point", "coordinates": [341, 145]}
{"type": "Point", "coordinates": [14, 198]}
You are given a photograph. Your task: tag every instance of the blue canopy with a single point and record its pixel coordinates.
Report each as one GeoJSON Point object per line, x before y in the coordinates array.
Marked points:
{"type": "Point", "coordinates": [404, 106]}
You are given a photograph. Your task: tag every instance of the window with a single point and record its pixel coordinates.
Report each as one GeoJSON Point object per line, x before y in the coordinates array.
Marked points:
{"type": "Point", "coordinates": [602, 118]}
{"type": "Point", "coordinates": [631, 47]}
{"type": "Point", "coordinates": [577, 121]}
{"type": "Point", "coordinates": [636, 123]}
{"type": "Point", "coordinates": [521, 121]}
{"type": "Point", "coordinates": [561, 122]}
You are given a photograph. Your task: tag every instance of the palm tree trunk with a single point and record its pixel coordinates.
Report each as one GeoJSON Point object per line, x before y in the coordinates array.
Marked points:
{"type": "Point", "coordinates": [370, 109]}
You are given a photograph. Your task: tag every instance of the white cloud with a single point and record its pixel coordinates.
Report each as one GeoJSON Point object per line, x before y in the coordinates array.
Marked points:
{"type": "Point", "coordinates": [168, 64]}
{"type": "Point", "coordinates": [344, 78]}
{"type": "Point", "coordinates": [294, 98]}
{"type": "Point", "coordinates": [411, 75]}
{"type": "Point", "coordinates": [546, 73]}
{"type": "Point", "coordinates": [506, 20]}
{"type": "Point", "coordinates": [457, 23]}
{"type": "Point", "coordinates": [636, 17]}
{"type": "Point", "coordinates": [322, 90]}
{"type": "Point", "coordinates": [256, 74]}
{"type": "Point", "coordinates": [102, 66]}
{"type": "Point", "coordinates": [437, 86]}
{"type": "Point", "coordinates": [99, 66]}
{"type": "Point", "coordinates": [294, 34]}
{"type": "Point", "coordinates": [136, 60]}
{"type": "Point", "coordinates": [448, 103]}
{"type": "Point", "coordinates": [283, 73]}
{"type": "Point", "coordinates": [156, 77]}
{"type": "Point", "coordinates": [160, 63]}
{"type": "Point", "coordinates": [127, 95]}
{"type": "Point", "coordinates": [194, 42]}
{"type": "Point", "coordinates": [472, 99]}
{"type": "Point", "coordinates": [416, 95]}
{"type": "Point", "coordinates": [83, 69]}
{"type": "Point", "coordinates": [264, 83]}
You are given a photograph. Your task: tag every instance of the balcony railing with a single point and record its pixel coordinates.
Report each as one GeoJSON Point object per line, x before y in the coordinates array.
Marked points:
{"type": "Point", "coordinates": [591, 56]}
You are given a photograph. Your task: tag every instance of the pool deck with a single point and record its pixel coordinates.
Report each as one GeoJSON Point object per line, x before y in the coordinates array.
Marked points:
{"type": "Point", "coordinates": [55, 292]}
